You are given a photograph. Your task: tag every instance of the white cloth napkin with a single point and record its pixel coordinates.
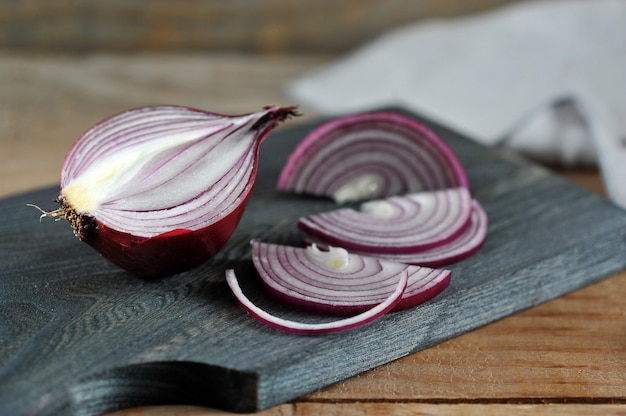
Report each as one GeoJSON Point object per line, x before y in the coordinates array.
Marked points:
{"type": "Point", "coordinates": [547, 78]}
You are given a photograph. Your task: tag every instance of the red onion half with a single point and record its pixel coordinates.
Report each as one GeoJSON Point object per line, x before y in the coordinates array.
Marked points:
{"type": "Point", "coordinates": [397, 224]}
{"type": "Point", "coordinates": [159, 190]}
{"type": "Point", "coordinates": [371, 156]}
{"type": "Point", "coordinates": [337, 282]}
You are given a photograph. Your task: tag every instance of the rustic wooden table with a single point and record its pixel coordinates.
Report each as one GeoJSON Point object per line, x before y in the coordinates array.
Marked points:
{"type": "Point", "coordinates": [565, 357]}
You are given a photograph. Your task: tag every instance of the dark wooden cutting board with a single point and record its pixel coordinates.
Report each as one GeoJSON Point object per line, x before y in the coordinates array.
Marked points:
{"type": "Point", "coordinates": [80, 337]}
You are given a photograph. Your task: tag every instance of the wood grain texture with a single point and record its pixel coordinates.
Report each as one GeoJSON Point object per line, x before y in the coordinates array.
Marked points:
{"type": "Point", "coordinates": [268, 26]}
{"type": "Point", "coordinates": [570, 349]}
{"type": "Point", "coordinates": [47, 101]}
{"type": "Point", "coordinates": [395, 409]}
{"type": "Point", "coordinates": [419, 409]}
{"type": "Point", "coordinates": [109, 340]}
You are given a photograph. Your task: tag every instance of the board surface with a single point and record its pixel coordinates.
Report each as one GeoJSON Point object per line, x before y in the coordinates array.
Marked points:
{"type": "Point", "coordinates": [80, 337]}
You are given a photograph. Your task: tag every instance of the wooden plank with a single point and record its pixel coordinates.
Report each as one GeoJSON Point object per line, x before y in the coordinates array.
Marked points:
{"type": "Point", "coordinates": [569, 348]}
{"type": "Point", "coordinates": [406, 409]}
{"type": "Point", "coordinates": [587, 178]}
{"type": "Point", "coordinates": [81, 334]}
{"type": "Point", "coordinates": [47, 101]}
{"type": "Point", "coordinates": [397, 409]}
{"type": "Point", "coordinates": [282, 410]}
{"type": "Point", "coordinates": [269, 26]}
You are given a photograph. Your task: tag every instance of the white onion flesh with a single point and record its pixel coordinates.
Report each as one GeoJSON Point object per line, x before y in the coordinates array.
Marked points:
{"type": "Point", "coordinates": [317, 328]}
{"type": "Point", "coordinates": [397, 224]}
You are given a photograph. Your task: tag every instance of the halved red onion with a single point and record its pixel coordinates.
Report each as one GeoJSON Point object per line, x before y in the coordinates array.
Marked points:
{"type": "Point", "coordinates": [316, 328]}
{"type": "Point", "coordinates": [397, 224]}
{"type": "Point", "coordinates": [337, 282]}
{"type": "Point", "coordinates": [371, 156]}
{"type": "Point", "coordinates": [159, 190]}
{"type": "Point", "coordinates": [463, 246]}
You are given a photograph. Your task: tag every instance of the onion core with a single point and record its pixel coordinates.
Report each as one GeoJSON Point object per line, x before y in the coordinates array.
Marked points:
{"type": "Point", "coordinates": [333, 257]}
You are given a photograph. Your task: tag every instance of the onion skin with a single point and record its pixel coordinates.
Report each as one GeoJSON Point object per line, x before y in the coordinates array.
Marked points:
{"type": "Point", "coordinates": [178, 249]}
{"type": "Point", "coordinates": [165, 254]}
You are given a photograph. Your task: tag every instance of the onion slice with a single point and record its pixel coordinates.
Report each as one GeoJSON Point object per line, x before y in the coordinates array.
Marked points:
{"type": "Point", "coordinates": [337, 282]}
{"type": "Point", "coordinates": [465, 245]}
{"type": "Point", "coordinates": [397, 224]}
{"type": "Point", "coordinates": [316, 328]}
{"type": "Point", "coordinates": [371, 156]}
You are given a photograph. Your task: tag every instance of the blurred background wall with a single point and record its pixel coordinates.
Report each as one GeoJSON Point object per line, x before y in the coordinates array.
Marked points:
{"type": "Point", "coordinates": [258, 26]}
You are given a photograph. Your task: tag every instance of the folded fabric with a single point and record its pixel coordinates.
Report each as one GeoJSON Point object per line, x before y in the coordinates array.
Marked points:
{"type": "Point", "coordinates": [547, 78]}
